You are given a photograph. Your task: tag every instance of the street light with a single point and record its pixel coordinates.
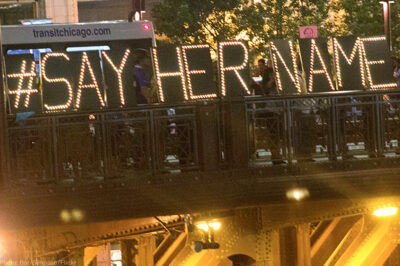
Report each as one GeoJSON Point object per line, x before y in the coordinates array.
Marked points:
{"type": "Point", "coordinates": [385, 212]}
{"type": "Point", "coordinates": [205, 226]}
{"type": "Point", "coordinates": [386, 16]}
{"type": "Point", "coordinates": [208, 229]}
{"type": "Point", "coordinates": [297, 193]}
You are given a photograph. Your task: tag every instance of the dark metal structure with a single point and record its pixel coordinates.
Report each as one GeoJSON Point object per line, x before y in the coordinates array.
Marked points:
{"type": "Point", "coordinates": [257, 132]}
{"type": "Point", "coordinates": [163, 160]}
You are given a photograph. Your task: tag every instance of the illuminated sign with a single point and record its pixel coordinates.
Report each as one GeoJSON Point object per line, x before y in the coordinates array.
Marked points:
{"type": "Point", "coordinates": [103, 80]}
{"type": "Point", "coordinates": [284, 61]}
{"type": "Point", "coordinates": [377, 63]}
{"type": "Point", "coordinates": [233, 62]}
{"type": "Point", "coordinates": [170, 74]}
{"type": "Point", "coordinates": [118, 76]}
{"type": "Point", "coordinates": [199, 71]}
{"type": "Point", "coordinates": [348, 55]}
{"type": "Point", "coordinates": [89, 92]}
{"type": "Point", "coordinates": [317, 67]}
{"type": "Point", "coordinates": [23, 89]}
{"type": "Point", "coordinates": [56, 81]}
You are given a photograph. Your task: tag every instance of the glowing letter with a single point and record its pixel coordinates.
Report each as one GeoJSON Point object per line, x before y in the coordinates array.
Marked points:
{"type": "Point", "coordinates": [119, 71]}
{"type": "Point", "coordinates": [56, 80]}
{"type": "Point", "coordinates": [338, 48]}
{"type": "Point", "coordinates": [194, 72]}
{"type": "Point", "coordinates": [293, 76]}
{"type": "Point", "coordinates": [376, 62]}
{"type": "Point", "coordinates": [21, 77]}
{"type": "Point", "coordinates": [235, 69]}
{"type": "Point", "coordinates": [324, 70]}
{"type": "Point", "coordinates": [159, 75]}
{"type": "Point", "coordinates": [94, 85]}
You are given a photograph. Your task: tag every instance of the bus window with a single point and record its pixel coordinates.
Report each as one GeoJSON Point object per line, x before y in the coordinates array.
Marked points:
{"type": "Point", "coordinates": [36, 54]}
{"type": "Point", "coordinates": [88, 48]}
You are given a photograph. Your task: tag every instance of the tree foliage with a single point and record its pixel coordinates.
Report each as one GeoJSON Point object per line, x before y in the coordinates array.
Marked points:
{"type": "Point", "coordinates": [365, 18]}
{"type": "Point", "coordinates": [210, 21]}
{"type": "Point", "coordinates": [187, 21]}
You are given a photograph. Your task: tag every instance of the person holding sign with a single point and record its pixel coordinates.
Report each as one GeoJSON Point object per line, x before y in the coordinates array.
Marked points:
{"type": "Point", "coordinates": [145, 92]}
{"type": "Point", "coordinates": [257, 82]}
{"type": "Point", "coordinates": [267, 84]}
{"type": "Point", "coordinates": [268, 79]}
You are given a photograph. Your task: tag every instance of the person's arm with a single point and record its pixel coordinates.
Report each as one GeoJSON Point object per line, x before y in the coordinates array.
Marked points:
{"type": "Point", "coordinates": [396, 73]}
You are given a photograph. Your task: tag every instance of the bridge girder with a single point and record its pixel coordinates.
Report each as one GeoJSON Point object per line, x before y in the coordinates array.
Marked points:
{"type": "Point", "coordinates": [347, 233]}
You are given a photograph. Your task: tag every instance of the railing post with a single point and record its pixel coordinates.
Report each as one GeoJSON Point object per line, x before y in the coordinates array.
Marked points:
{"type": "Point", "coordinates": [55, 148]}
{"type": "Point", "coordinates": [289, 129]}
{"type": "Point", "coordinates": [332, 127]}
{"type": "Point", "coordinates": [4, 143]}
{"type": "Point", "coordinates": [236, 134]}
{"type": "Point", "coordinates": [208, 137]}
{"type": "Point", "coordinates": [104, 154]}
{"type": "Point", "coordinates": [379, 123]}
{"type": "Point", "coordinates": [154, 164]}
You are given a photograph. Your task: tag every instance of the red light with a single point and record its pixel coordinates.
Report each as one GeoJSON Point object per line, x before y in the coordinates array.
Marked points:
{"type": "Point", "coordinates": [146, 27]}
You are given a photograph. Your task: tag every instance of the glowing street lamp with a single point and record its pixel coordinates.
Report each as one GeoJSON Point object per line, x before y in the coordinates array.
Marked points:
{"type": "Point", "coordinates": [387, 21]}
{"type": "Point", "coordinates": [208, 228]}
{"type": "Point", "coordinates": [298, 193]}
{"type": "Point", "coordinates": [385, 212]}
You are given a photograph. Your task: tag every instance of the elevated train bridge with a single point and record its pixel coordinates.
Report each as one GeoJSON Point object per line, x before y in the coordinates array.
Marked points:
{"type": "Point", "coordinates": [135, 183]}
{"type": "Point", "coordinates": [287, 180]}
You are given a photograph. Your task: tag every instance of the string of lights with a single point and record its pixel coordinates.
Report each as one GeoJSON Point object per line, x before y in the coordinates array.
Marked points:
{"type": "Point", "coordinates": [235, 69]}
{"type": "Point", "coordinates": [369, 63]}
{"type": "Point", "coordinates": [21, 76]}
{"type": "Point", "coordinates": [295, 78]}
{"type": "Point", "coordinates": [57, 80]}
{"type": "Point", "coordinates": [86, 64]}
{"type": "Point", "coordinates": [324, 70]}
{"type": "Point", "coordinates": [337, 47]}
{"type": "Point", "coordinates": [190, 72]}
{"type": "Point", "coordinates": [160, 75]}
{"type": "Point", "coordinates": [119, 70]}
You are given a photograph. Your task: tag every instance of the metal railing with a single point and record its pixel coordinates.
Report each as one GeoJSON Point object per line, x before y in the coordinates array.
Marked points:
{"type": "Point", "coordinates": [159, 139]}
{"type": "Point", "coordinates": [323, 127]}
{"type": "Point", "coordinates": [94, 146]}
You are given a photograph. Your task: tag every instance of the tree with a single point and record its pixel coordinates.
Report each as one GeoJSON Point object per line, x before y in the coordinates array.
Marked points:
{"type": "Point", "coordinates": [365, 18]}
{"type": "Point", "coordinates": [211, 21]}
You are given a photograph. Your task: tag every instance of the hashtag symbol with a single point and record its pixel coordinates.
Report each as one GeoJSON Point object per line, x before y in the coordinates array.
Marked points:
{"type": "Point", "coordinates": [21, 76]}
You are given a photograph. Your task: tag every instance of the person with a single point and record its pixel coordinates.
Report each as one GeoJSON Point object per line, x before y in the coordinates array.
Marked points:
{"type": "Point", "coordinates": [256, 81]}
{"type": "Point", "coordinates": [260, 67]}
{"type": "Point", "coordinates": [145, 93]}
{"type": "Point", "coordinates": [266, 129]}
{"type": "Point", "coordinates": [268, 79]}
{"type": "Point", "coordinates": [396, 71]}
{"type": "Point", "coordinates": [267, 85]}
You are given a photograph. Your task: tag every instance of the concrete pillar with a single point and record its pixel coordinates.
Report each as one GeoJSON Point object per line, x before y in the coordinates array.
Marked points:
{"type": "Point", "coordinates": [62, 11]}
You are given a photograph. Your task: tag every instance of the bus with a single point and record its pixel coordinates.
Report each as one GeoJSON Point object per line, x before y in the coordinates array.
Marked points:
{"type": "Point", "coordinates": [103, 44]}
